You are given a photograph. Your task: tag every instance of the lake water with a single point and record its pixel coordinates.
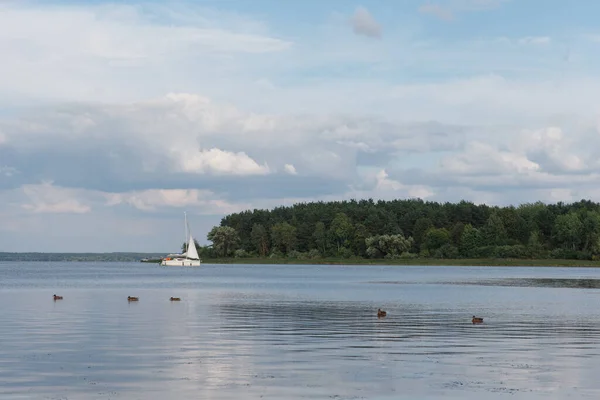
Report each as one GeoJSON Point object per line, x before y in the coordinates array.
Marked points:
{"type": "Point", "coordinates": [291, 332]}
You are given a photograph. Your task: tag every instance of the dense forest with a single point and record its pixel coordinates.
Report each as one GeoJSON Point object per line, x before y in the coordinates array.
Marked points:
{"type": "Point", "coordinates": [410, 229]}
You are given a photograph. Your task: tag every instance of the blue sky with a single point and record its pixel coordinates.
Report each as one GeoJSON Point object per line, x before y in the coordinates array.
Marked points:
{"type": "Point", "coordinates": [117, 117]}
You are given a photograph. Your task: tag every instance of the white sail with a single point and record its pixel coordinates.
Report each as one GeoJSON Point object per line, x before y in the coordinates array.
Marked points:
{"type": "Point", "coordinates": [192, 252]}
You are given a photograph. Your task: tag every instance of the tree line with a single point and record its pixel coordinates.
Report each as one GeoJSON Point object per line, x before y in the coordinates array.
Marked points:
{"type": "Point", "coordinates": [409, 229]}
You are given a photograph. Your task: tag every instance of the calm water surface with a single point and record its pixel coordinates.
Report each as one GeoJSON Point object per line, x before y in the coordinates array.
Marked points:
{"type": "Point", "coordinates": [279, 332]}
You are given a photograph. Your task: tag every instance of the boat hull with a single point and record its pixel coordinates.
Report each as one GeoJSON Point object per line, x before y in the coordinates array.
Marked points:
{"type": "Point", "coordinates": [180, 263]}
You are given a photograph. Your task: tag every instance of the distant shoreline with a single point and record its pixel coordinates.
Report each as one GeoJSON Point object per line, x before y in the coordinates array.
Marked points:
{"type": "Point", "coordinates": [154, 258]}
{"type": "Point", "coordinates": [79, 257]}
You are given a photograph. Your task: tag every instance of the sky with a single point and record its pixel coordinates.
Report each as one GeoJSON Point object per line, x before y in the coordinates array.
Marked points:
{"type": "Point", "coordinates": [116, 117]}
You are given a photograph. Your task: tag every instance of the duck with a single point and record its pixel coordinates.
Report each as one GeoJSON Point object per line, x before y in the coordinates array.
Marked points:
{"type": "Point", "coordinates": [129, 298]}
{"type": "Point", "coordinates": [381, 313]}
{"type": "Point", "coordinates": [175, 299]}
{"type": "Point", "coordinates": [477, 320]}
{"type": "Point", "coordinates": [55, 297]}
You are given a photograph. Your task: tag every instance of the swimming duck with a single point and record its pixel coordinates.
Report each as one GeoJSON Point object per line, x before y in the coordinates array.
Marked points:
{"type": "Point", "coordinates": [175, 299]}
{"type": "Point", "coordinates": [57, 297]}
{"type": "Point", "coordinates": [477, 320]}
{"type": "Point", "coordinates": [381, 313]}
{"type": "Point", "coordinates": [129, 298]}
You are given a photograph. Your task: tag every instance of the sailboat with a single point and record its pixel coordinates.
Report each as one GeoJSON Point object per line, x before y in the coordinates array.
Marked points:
{"type": "Point", "coordinates": [189, 258]}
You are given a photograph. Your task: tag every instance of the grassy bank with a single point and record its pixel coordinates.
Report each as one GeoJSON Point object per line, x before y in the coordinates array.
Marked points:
{"type": "Point", "coordinates": [420, 261]}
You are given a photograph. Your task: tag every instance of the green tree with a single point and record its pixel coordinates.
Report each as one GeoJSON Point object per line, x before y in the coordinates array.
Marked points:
{"type": "Point", "coordinates": [567, 231]}
{"type": "Point", "coordinates": [493, 232]}
{"type": "Point", "coordinates": [435, 238]}
{"type": "Point", "coordinates": [469, 240]}
{"type": "Point", "coordinates": [456, 233]}
{"type": "Point", "coordinates": [359, 245]}
{"type": "Point", "coordinates": [591, 230]}
{"type": "Point", "coordinates": [320, 237]}
{"type": "Point", "coordinates": [341, 229]}
{"type": "Point", "coordinates": [534, 244]}
{"type": "Point", "coordinates": [304, 240]}
{"type": "Point", "coordinates": [260, 239]}
{"type": "Point", "coordinates": [422, 225]}
{"type": "Point", "coordinates": [225, 240]}
{"type": "Point", "coordinates": [544, 220]}
{"type": "Point", "coordinates": [512, 223]}
{"type": "Point", "coordinates": [283, 236]}
{"type": "Point", "coordinates": [185, 246]}
{"type": "Point", "coordinates": [388, 245]}
{"type": "Point", "coordinates": [446, 251]}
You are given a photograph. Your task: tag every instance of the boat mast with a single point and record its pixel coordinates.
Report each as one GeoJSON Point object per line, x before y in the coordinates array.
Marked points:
{"type": "Point", "coordinates": [185, 237]}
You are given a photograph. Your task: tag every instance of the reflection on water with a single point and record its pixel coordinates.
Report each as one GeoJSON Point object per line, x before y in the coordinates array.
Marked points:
{"type": "Point", "coordinates": [310, 332]}
{"type": "Point", "coordinates": [517, 282]}
{"type": "Point", "coordinates": [539, 282]}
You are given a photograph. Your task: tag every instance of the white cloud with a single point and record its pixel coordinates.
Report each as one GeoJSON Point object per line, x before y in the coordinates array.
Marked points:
{"type": "Point", "coordinates": [63, 207]}
{"type": "Point", "coordinates": [116, 52]}
{"type": "Point", "coordinates": [522, 162]}
{"type": "Point", "coordinates": [219, 161]}
{"type": "Point", "coordinates": [494, 99]}
{"type": "Point", "coordinates": [395, 189]}
{"type": "Point", "coordinates": [482, 159]}
{"type": "Point", "coordinates": [46, 198]}
{"type": "Point", "coordinates": [151, 199]}
{"type": "Point", "coordinates": [122, 32]}
{"type": "Point", "coordinates": [194, 200]}
{"type": "Point", "coordinates": [363, 23]}
{"type": "Point", "coordinates": [554, 147]}
{"type": "Point", "coordinates": [290, 169]}
{"type": "Point", "coordinates": [564, 195]}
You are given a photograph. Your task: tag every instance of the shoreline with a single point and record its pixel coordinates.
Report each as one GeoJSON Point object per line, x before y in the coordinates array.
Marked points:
{"type": "Point", "coordinates": [456, 262]}
{"type": "Point", "coordinates": [466, 262]}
